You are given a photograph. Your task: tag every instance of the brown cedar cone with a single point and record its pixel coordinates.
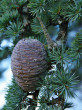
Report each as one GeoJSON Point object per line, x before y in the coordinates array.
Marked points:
{"type": "Point", "coordinates": [28, 63]}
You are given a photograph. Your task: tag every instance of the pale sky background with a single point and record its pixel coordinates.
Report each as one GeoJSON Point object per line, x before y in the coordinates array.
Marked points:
{"type": "Point", "coordinates": [6, 76]}
{"type": "Point", "coordinates": [5, 81]}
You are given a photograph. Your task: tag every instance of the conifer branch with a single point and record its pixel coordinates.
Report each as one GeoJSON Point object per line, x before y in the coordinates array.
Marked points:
{"type": "Point", "coordinates": [19, 19]}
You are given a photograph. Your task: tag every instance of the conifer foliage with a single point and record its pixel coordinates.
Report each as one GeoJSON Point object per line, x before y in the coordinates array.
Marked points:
{"type": "Point", "coordinates": [31, 19]}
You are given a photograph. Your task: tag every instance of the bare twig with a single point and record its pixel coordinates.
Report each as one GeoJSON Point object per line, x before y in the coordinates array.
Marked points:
{"type": "Point", "coordinates": [48, 38]}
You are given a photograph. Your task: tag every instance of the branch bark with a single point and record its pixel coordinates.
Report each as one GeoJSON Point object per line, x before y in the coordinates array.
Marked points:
{"type": "Point", "coordinates": [48, 38]}
{"type": "Point", "coordinates": [62, 35]}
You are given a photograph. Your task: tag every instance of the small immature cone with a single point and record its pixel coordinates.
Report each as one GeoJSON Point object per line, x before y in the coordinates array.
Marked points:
{"type": "Point", "coordinates": [28, 63]}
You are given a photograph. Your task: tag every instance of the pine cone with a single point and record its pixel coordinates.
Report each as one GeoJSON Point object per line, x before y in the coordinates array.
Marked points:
{"type": "Point", "coordinates": [28, 63]}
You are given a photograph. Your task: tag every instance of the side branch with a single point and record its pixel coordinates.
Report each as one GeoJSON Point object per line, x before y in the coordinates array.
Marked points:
{"type": "Point", "coordinates": [48, 38]}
